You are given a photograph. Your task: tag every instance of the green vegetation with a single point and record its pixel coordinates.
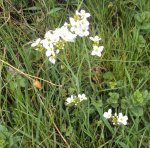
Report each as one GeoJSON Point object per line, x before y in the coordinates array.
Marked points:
{"type": "Point", "coordinates": [33, 111]}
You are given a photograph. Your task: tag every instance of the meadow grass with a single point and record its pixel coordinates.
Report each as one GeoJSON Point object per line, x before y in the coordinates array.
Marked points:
{"type": "Point", "coordinates": [33, 117]}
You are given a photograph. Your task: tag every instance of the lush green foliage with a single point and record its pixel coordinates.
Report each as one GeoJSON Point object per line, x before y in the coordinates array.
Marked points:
{"type": "Point", "coordinates": [120, 79]}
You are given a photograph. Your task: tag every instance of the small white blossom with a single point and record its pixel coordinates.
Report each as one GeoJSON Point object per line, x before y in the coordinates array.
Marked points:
{"type": "Point", "coordinates": [108, 114]}
{"type": "Point", "coordinates": [52, 36]}
{"type": "Point", "coordinates": [95, 39]}
{"type": "Point", "coordinates": [83, 31]}
{"type": "Point", "coordinates": [50, 53]}
{"type": "Point", "coordinates": [57, 51]}
{"type": "Point", "coordinates": [76, 100]}
{"type": "Point", "coordinates": [49, 35]}
{"type": "Point", "coordinates": [75, 25]}
{"type": "Point", "coordinates": [122, 119]}
{"type": "Point", "coordinates": [83, 14]}
{"type": "Point", "coordinates": [70, 100]}
{"type": "Point", "coordinates": [35, 43]}
{"type": "Point", "coordinates": [84, 24]}
{"type": "Point", "coordinates": [47, 44]}
{"type": "Point", "coordinates": [66, 35]}
{"type": "Point", "coordinates": [82, 97]}
{"type": "Point", "coordinates": [97, 50]}
{"type": "Point", "coordinates": [66, 24]}
{"type": "Point", "coordinates": [52, 59]}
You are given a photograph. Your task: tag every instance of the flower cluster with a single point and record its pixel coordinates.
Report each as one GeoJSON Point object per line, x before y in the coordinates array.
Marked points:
{"type": "Point", "coordinates": [116, 119]}
{"type": "Point", "coordinates": [97, 50]}
{"type": "Point", "coordinates": [75, 99]}
{"type": "Point", "coordinates": [54, 40]}
{"type": "Point", "coordinates": [79, 24]}
{"type": "Point", "coordinates": [36, 44]}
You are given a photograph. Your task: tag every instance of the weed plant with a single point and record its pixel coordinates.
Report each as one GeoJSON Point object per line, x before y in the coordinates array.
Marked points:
{"type": "Point", "coordinates": [33, 92]}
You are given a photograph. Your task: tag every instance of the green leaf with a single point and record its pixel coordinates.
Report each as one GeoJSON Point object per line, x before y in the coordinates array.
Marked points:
{"type": "Point", "coordinates": [146, 96]}
{"type": "Point", "coordinates": [3, 128]}
{"type": "Point", "coordinates": [137, 17]}
{"type": "Point", "coordinates": [122, 144]}
{"type": "Point", "coordinates": [71, 90]}
{"type": "Point", "coordinates": [113, 99]}
{"type": "Point", "coordinates": [137, 97]}
{"type": "Point", "coordinates": [63, 127]}
{"type": "Point", "coordinates": [13, 85]}
{"type": "Point", "coordinates": [97, 103]}
{"type": "Point", "coordinates": [124, 103]}
{"type": "Point", "coordinates": [63, 92]}
{"type": "Point", "coordinates": [143, 17]}
{"type": "Point", "coordinates": [114, 96]}
{"type": "Point", "coordinates": [2, 139]}
{"type": "Point", "coordinates": [54, 10]}
{"type": "Point", "coordinates": [112, 85]}
{"type": "Point", "coordinates": [3, 135]}
{"type": "Point", "coordinates": [22, 82]}
{"type": "Point", "coordinates": [115, 105]}
{"type": "Point", "coordinates": [137, 111]}
{"type": "Point", "coordinates": [145, 26]}
{"type": "Point", "coordinates": [69, 131]}
{"type": "Point", "coordinates": [141, 39]}
{"type": "Point", "coordinates": [146, 16]}
{"type": "Point", "coordinates": [108, 76]}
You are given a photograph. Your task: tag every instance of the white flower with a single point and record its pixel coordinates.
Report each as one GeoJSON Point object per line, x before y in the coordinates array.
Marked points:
{"type": "Point", "coordinates": [79, 28]}
{"type": "Point", "coordinates": [57, 51]}
{"type": "Point", "coordinates": [82, 97]}
{"type": "Point", "coordinates": [108, 114]}
{"type": "Point", "coordinates": [74, 24]}
{"type": "Point", "coordinates": [84, 28]}
{"type": "Point", "coordinates": [49, 35]}
{"type": "Point", "coordinates": [95, 39]}
{"type": "Point", "coordinates": [76, 100]}
{"type": "Point", "coordinates": [84, 24]}
{"type": "Point", "coordinates": [84, 33]}
{"type": "Point", "coordinates": [70, 100]}
{"type": "Point", "coordinates": [83, 14]}
{"type": "Point", "coordinates": [53, 36]}
{"type": "Point", "coordinates": [122, 119]}
{"type": "Point", "coordinates": [66, 35]}
{"type": "Point", "coordinates": [79, 24]}
{"type": "Point", "coordinates": [66, 24]}
{"type": "Point", "coordinates": [47, 44]}
{"type": "Point", "coordinates": [35, 43]}
{"type": "Point", "coordinates": [97, 50]}
{"type": "Point", "coordinates": [50, 53]}
{"type": "Point", "coordinates": [52, 59]}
